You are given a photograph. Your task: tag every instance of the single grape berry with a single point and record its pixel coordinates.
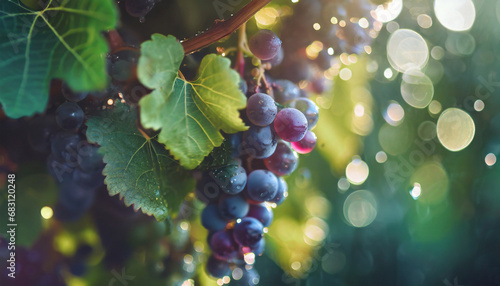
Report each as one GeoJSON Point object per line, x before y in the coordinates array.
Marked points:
{"type": "Point", "coordinates": [290, 124]}
{"type": "Point", "coordinates": [233, 207]}
{"type": "Point", "coordinates": [89, 160]}
{"type": "Point", "coordinates": [207, 190]}
{"type": "Point", "coordinates": [282, 192]}
{"type": "Point", "coordinates": [284, 160]}
{"type": "Point", "coordinates": [284, 91]}
{"type": "Point", "coordinates": [276, 60]}
{"type": "Point", "coordinates": [64, 146]}
{"type": "Point", "coordinates": [139, 8]}
{"type": "Point", "coordinates": [223, 245]}
{"type": "Point", "coordinates": [308, 108]}
{"type": "Point", "coordinates": [262, 185]}
{"type": "Point", "coordinates": [305, 145]}
{"type": "Point", "coordinates": [258, 142]}
{"type": "Point", "coordinates": [232, 179]}
{"type": "Point", "coordinates": [248, 232]}
{"type": "Point", "coordinates": [256, 249]}
{"type": "Point", "coordinates": [69, 115]}
{"type": "Point", "coordinates": [211, 218]}
{"type": "Point", "coordinates": [262, 213]}
{"type": "Point", "coordinates": [265, 44]}
{"type": "Point", "coordinates": [217, 268]}
{"type": "Point", "coordinates": [261, 109]}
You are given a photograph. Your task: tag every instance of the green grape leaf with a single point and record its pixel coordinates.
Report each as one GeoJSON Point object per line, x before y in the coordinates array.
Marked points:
{"type": "Point", "coordinates": [61, 41]}
{"type": "Point", "coordinates": [189, 114]}
{"type": "Point", "coordinates": [219, 157]}
{"type": "Point", "coordinates": [140, 169]}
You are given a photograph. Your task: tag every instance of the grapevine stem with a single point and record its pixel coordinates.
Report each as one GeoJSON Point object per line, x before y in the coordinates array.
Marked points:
{"type": "Point", "coordinates": [240, 59]}
{"type": "Point", "coordinates": [181, 76]}
{"type": "Point", "coordinates": [221, 29]}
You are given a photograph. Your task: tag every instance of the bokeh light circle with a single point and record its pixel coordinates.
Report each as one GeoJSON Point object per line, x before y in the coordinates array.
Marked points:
{"type": "Point", "coordinates": [455, 15]}
{"type": "Point", "coordinates": [417, 88]}
{"type": "Point", "coordinates": [427, 130]}
{"type": "Point", "coordinates": [394, 113]}
{"type": "Point", "coordinates": [388, 12]}
{"type": "Point", "coordinates": [455, 129]}
{"type": "Point", "coordinates": [406, 50]}
{"type": "Point", "coordinates": [394, 140]}
{"type": "Point", "coordinates": [357, 171]}
{"type": "Point", "coordinates": [360, 208]}
{"type": "Point", "coordinates": [433, 182]}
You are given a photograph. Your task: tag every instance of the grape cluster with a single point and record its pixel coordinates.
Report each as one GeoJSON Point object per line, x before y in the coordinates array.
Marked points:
{"type": "Point", "coordinates": [73, 162]}
{"type": "Point", "coordinates": [317, 31]}
{"type": "Point", "coordinates": [239, 197]}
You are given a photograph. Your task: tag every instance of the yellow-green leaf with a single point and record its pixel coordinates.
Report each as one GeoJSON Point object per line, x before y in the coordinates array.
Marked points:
{"type": "Point", "coordinates": [189, 114]}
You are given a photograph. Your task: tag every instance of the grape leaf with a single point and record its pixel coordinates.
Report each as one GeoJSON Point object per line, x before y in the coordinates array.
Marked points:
{"type": "Point", "coordinates": [219, 157]}
{"type": "Point", "coordinates": [61, 41]}
{"type": "Point", "coordinates": [190, 114]}
{"type": "Point", "coordinates": [139, 169]}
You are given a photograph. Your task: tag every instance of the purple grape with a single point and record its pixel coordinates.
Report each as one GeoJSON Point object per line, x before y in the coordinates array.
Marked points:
{"type": "Point", "coordinates": [89, 160]}
{"type": "Point", "coordinates": [276, 60]}
{"type": "Point", "coordinates": [262, 213]}
{"type": "Point", "coordinates": [284, 91]}
{"type": "Point", "coordinates": [262, 185]}
{"type": "Point", "coordinates": [211, 219]}
{"type": "Point", "coordinates": [290, 124]}
{"type": "Point", "coordinates": [258, 142]}
{"type": "Point", "coordinates": [233, 207]}
{"type": "Point", "coordinates": [223, 245]}
{"type": "Point", "coordinates": [308, 108]}
{"type": "Point", "coordinates": [261, 109]}
{"type": "Point", "coordinates": [305, 145]}
{"type": "Point", "coordinates": [256, 249]}
{"type": "Point", "coordinates": [284, 160]}
{"type": "Point", "coordinates": [248, 232]}
{"type": "Point", "coordinates": [217, 268]}
{"type": "Point", "coordinates": [207, 190]}
{"type": "Point", "coordinates": [232, 179]}
{"type": "Point", "coordinates": [139, 8]}
{"type": "Point", "coordinates": [282, 192]}
{"type": "Point", "coordinates": [69, 115]}
{"type": "Point", "coordinates": [64, 146]}
{"type": "Point", "coordinates": [265, 44]}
